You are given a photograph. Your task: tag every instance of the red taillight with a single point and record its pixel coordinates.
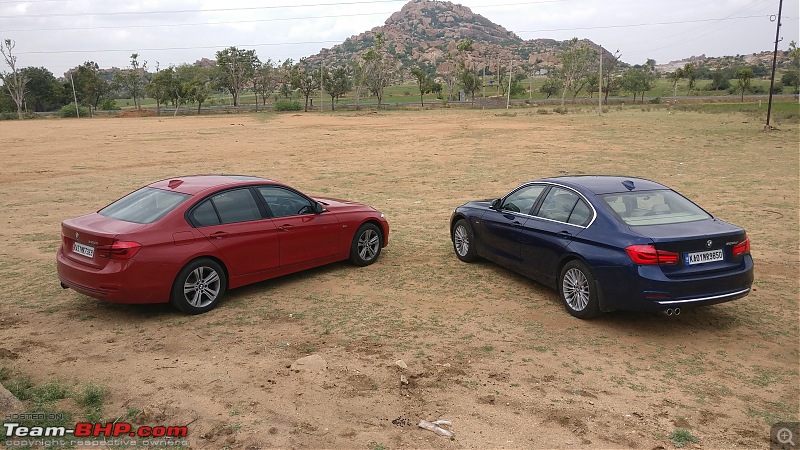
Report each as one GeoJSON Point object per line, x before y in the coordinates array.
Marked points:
{"type": "Point", "coordinates": [742, 248]}
{"type": "Point", "coordinates": [649, 255]}
{"type": "Point", "coordinates": [119, 250]}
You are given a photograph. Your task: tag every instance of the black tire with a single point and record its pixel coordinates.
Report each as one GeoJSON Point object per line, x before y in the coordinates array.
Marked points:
{"type": "Point", "coordinates": [199, 286]}
{"type": "Point", "coordinates": [464, 241]}
{"type": "Point", "coordinates": [578, 291]}
{"type": "Point", "coordinates": [366, 246]}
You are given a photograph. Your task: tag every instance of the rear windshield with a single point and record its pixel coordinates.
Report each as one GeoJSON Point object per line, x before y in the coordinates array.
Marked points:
{"type": "Point", "coordinates": [144, 206]}
{"type": "Point", "coordinates": [654, 208]}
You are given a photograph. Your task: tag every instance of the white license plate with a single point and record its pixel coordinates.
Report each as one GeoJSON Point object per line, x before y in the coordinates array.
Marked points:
{"type": "Point", "coordinates": [84, 250]}
{"type": "Point", "coordinates": [704, 257]}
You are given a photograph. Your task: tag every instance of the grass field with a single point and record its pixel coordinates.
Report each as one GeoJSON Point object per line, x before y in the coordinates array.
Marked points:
{"type": "Point", "coordinates": [492, 351]}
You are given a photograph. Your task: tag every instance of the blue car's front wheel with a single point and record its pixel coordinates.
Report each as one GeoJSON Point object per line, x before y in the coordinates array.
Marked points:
{"type": "Point", "coordinates": [578, 290]}
{"type": "Point", "coordinates": [463, 241]}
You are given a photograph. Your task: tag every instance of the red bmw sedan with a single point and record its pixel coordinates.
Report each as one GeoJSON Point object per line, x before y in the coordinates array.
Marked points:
{"type": "Point", "coordinates": [188, 240]}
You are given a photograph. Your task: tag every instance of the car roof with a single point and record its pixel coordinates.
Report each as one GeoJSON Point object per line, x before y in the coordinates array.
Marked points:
{"type": "Point", "coordinates": [194, 184]}
{"type": "Point", "coordinates": [605, 184]}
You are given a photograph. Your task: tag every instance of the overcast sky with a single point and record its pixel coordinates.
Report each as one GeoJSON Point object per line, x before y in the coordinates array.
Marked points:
{"type": "Point", "coordinates": [59, 34]}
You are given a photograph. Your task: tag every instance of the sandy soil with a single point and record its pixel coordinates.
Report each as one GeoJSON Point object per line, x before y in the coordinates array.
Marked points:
{"type": "Point", "coordinates": [488, 349]}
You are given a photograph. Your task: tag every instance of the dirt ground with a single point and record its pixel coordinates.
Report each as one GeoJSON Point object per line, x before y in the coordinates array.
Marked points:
{"type": "Point", "coordinates": [491, 351]}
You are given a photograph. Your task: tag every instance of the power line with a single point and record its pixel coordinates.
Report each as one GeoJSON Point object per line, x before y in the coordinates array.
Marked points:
{"type": "Point", "coordinates": [176, 48]}
{"type": "Point", "coordinates": [185, 11]}
{"type": "Point", "coordinates": [678, 22]}
{"type": "Point", "coordinates": [250, 8]}
{"type": "Point", "coordinates": [171, 25]}
{"type": "Point", "coordinates": [339, 41]}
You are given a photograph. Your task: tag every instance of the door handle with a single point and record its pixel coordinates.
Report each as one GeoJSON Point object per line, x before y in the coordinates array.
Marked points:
{"type": "Point", "coordinates": [565, 234]}
{"type": "Point", "coordinates": [286, 227]}
{"type": "Point", "coordinates": [219, 235]}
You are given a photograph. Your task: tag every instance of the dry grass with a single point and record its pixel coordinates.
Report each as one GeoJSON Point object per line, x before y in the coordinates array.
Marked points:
{"type": "Point", "coordinates": [490, 350]}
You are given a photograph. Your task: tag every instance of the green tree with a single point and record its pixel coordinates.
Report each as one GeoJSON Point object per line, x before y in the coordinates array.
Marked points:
{"type": "Point", "coordinates": [265, 81]}
{"type": "Point", "coordinates": [470, 82]}
{"type": "Point", "coordinates": [424, 82]}
{"type": "Point", "coordinates": [673, 78]}
{"type": "Point", "coordinates": [379, 67]}
{"type": "Point", "coordinates": [610, 81]}
{"type": "Point", "coordinates": [576, 62]}
{"type": "Point", "coordinates": [592, 83]}
{"type": "Point", "coordinates": [305, 79]}
{"type": "Point", "coordinates": [134, 80]}
{"type": "Point", "coordinates": [720, 80]}
{"type": "Point", "coordinates": [744, 78]}
{"type": "Point", "coordinates": [690, 73]}
{"type": "Point", "coordinates": [285, 78]}
{"type": "Point", "coordinates": [14, 81]}
{"type": "Point", "coordinates": [158, 87]}
{"type": "Point", "coordinates": [794, 71]}
{"type": "Point", "coordinates": [336, 84]}
{"type": "Point", "coordinates": [198, 83]}
{"type": "Point", "coordinates": [90, 87]}
{"type": "Point", "coordinates": [636, 80]}
{"type": "Point", "coordinates": [43, 91]}
{"type": "Point", "coordinates": [552, 86]}
{"type": "Point", "coordinates": [238, 68]}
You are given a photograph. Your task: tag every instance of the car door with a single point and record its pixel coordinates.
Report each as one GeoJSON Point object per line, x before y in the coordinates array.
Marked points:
{"type": "Point", "coordinates": [233, 222]}
{"type": "Point", "coordinates": [305, 236]}
{"type": "Point", "coordinates": [501, 230]}
{"type": "Point", "coordinates": [556, 221]}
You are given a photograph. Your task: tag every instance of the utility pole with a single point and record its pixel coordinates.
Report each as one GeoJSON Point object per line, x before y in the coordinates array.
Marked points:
{"type": "Point", "coordinates": [75, 96]}
{"type": "Point", "coordinates": [768, 127]}
{"type": "Point", "coordinates": [510, 70]}
{"type": "Point", "coordinates": [600, 85]}
{"type": "Point", "coordinates": [483, 80]}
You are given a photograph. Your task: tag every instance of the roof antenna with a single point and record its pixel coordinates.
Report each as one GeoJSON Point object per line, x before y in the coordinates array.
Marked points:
{"type": "Point", "coordinates": [629, 185]}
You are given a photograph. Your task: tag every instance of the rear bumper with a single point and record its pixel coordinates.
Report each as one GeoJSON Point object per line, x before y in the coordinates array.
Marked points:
{"type": "Point", "coordinates": [646, 288]}
{"type": "Point", "coordinates": [117, 282]}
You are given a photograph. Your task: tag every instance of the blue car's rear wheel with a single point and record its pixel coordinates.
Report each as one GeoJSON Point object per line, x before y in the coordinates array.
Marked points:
{"type": "Point", "coordinates": [578, 291]}
{"type": "Point", "coordinates": [463, 241]}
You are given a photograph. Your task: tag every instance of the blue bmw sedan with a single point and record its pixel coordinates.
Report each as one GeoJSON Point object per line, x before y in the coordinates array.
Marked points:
{"type": "Point", "coordinates": [609, 243]}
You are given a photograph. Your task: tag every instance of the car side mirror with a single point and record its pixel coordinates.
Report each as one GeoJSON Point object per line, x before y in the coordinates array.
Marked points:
{"type": "Point", "coordinates": [496, 204]}
{"type": "Point", "coordinates": [318, 208]}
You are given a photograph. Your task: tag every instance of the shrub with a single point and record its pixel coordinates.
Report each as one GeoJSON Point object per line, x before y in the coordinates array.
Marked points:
{"type": "Point", "coordinates": [655, 101]}
{"type": "Point", "coordinates": [108, 104]}
{"type": "Point", "coordinates": [680, 437]}
{"type": "Point", "coordinates": [288, 105]}
{"type": "Point", "coordinates": [560, 110]}
{"type": "Point", "coordinates": [542, 111]}
{"type": "Point", "coordinates": [69, 111]}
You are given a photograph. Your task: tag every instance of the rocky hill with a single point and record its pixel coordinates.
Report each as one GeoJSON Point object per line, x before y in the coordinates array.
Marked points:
{"type": "Point", "coordinates": [427, 31]}
{"type": "Point", "coordinates": [722, 62]}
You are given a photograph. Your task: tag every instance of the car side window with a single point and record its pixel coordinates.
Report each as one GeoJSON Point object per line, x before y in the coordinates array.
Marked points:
{"type": "Point", "coordinates": [522, 200]}
{"type": "Point", "coordinates": [205, 215]}
{"type": "Point", "coordinates": [558, 204]}
{"type": "Point", "coordinates": [284, 203]}
{"type": "Point", "coordinates": [236, 205]}
{"type": "Point", "coordinates": [581, 214]}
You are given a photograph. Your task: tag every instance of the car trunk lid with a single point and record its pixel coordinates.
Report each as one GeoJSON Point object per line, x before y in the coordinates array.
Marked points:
{"type": "Point", "coordinates": [702, 246]}
{"type": "Point", "coordinates": [84, 237]}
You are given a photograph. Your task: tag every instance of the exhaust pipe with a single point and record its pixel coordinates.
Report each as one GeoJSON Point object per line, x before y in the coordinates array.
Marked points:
{"type": "Point", "coordinates": [677, 311]}
{"type": "Point", "coordinates": [669, 311]}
